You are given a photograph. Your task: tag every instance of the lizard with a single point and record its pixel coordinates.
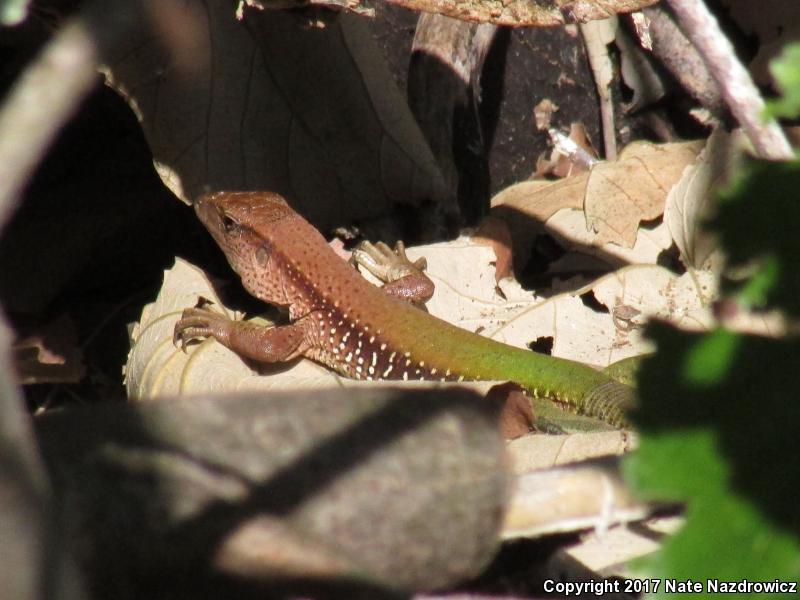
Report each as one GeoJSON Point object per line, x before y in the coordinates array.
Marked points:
{"type": "Point", "coordinates": [358, 329]}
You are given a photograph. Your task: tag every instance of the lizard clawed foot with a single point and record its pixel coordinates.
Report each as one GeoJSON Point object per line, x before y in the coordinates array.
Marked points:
{"type": "Point", "coordinates": [402, 278]}
{"type": "Point", "coordinates": [386, 264]}
{"type": "Point", "coordinates": [199, 322]}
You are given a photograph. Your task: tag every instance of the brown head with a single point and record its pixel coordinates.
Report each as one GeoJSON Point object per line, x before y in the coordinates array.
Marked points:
{"type": "Point", "coordinates": [247, 225]}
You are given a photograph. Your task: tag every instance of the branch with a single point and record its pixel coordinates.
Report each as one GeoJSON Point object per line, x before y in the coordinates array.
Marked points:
{"type": "Point", "coordinates": [738, 89]}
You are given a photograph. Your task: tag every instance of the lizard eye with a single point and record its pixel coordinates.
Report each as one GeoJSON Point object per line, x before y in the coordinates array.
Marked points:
{"type": "Point", "coordinates": [228, 224]}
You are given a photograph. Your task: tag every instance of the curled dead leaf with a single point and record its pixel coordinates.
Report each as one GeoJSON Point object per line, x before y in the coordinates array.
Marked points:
{"type": "Point", "coordinates": [312, 114]}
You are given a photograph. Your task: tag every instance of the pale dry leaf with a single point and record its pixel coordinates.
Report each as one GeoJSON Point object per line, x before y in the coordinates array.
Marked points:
{"type": "Point", "coordinates": [466, 289]}
{"type": "Point", "coordinates": [541, 199]}
{"type": "Point", "coordinates": [614, 552]}
{"type": "Point", "coordinates": [568, 227]}
{"type": "Point", "coordinates": [651, 291]}
{"type": "Point", "coordinates": [570, 498]}
{"type": "Point", "coordinates": [601, 338]}
{"type": "Point", "coordinates": [466, 296]}
{"type": "Point", "coordinates": [638, 293]}
{"type": "Point", "coordinates": [692, 199]}
{"type": "Point", "coordinates": [622, 193]}
{"type": "Point", "coordinates": [541, 451]}
{"type": "Point", "coordinates": [267, 103]}
{"type": "Point", "coordinates": [155, 367]}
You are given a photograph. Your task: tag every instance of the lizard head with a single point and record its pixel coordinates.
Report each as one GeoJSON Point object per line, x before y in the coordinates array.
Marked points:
{"type": "Point", "coordinates": [244, 225]}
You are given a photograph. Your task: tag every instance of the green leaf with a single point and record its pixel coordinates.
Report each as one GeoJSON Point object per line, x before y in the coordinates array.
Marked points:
{"type": "Point", "coordinates": [719, 432]}
{"type": "Point", "coordinates": [13, 12]}
{"type": "Point", "coordinates": [756, 224]}
{"type": "Point", "coordinates": [786, 71]}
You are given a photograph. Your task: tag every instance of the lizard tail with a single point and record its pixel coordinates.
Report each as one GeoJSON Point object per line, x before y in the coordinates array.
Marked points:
{"type": "Point", "coordinates": [610, 401]}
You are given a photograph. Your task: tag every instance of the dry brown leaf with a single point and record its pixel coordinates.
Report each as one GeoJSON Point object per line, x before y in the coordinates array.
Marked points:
{"type": "Point", "coordinates": [617, 196]}
{"type": "Point", "coordinates": [621, 194]}
{"type": "Point", "coordinates": [50, 354]}
{"type": "Point", "coordinates": [541, 199]}
{"type": "Point", "coordinates": [266, 103]}
{"type": "Point", "coordinates": [493, 232]}
{"type": "Point", "coordinates": [516, 415]}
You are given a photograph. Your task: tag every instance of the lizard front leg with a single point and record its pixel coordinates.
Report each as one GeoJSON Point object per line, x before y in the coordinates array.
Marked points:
{"type": "Point", "coordinates": [401, 278]}
{"type": "Point", "coordinates": [249, 340]}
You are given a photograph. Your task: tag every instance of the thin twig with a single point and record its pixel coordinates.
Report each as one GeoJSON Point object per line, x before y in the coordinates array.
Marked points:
{"type": "Point", "coordinates": [738, 89]}
{"type": "Point", "coordinates": [596, 37]}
